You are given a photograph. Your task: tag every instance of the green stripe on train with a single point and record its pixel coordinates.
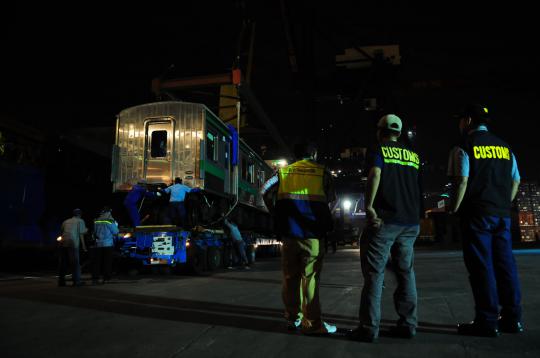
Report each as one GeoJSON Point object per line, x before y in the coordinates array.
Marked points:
{"type": "Point", "coordinates": [213, 169]}
{"type": "Point", "coordinates": [245, 187]}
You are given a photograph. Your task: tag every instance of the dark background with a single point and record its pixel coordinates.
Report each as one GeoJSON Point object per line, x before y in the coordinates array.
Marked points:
{"type": "Point", "coordinates": [74, 67]}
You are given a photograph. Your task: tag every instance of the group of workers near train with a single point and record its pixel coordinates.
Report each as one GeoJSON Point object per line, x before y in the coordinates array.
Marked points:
{"type": "Point", "coordinates": [73, 231]}
{"type": "Point", "coordinates": [485, 182]}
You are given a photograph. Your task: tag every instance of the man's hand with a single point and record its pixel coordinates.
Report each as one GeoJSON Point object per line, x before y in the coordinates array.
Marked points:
{"type": "Point", "coordinates": [372, 218]}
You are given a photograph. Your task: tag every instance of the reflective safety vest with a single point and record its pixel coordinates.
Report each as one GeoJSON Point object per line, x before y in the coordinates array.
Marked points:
{"type": "Point", "coordinates": [301, 202]}
{"type": "Point", "coordinates": [302, 180]}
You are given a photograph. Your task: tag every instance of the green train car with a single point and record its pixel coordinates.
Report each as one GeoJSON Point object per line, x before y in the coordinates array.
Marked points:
{"type": "Point", "coordinates": [163, 140]}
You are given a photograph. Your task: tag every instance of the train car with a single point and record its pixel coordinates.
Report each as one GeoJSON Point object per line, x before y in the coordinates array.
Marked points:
{"type": "Point", "coordinates": [164, 140]}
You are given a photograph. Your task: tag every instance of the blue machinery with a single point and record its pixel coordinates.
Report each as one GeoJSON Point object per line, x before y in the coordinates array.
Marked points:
{"type": "Point", "coordinates": [170, 246]}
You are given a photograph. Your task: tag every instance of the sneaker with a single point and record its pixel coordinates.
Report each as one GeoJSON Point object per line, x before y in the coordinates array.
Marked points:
{"type": "Point", "coordinates": [294, 325]}
{"type": "Point", "coordinates": [247, 267]}
{"type": "Point", "coordinates": [362, 334]}
{"type": "Point", "coordinates": [324, 329]}
{"type": "Point", "coordinates": [330, 328]}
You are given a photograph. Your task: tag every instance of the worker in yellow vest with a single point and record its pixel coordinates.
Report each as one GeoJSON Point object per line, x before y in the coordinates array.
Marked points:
{"type": "Point", "coordinates": [299, 196]}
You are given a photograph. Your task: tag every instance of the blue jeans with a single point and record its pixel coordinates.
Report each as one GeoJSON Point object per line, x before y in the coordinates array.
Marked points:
{"type": "Point", "coordinates": [487, 252]}
{"type": "Point", "coordinates": [375, 248]}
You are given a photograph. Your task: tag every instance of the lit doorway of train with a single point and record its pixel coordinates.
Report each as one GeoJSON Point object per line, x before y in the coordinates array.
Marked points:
{"type": "Point", "coordinates": [159, 150]}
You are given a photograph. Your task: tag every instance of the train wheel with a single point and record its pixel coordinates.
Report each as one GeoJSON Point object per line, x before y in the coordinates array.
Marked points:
{"type": "Point", "coordinates": [165, 270]}
{"type": "Point", "coordinates": [197, 260]}
{"type": "Point", "coordinates": [214, 258]}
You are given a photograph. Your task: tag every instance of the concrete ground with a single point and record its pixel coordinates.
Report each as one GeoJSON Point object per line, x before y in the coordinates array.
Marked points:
{"type": "Point", "coordinates": [238, 313]}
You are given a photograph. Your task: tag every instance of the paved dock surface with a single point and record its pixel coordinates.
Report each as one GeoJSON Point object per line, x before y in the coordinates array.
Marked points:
{"type": "Point", "coordinates": [238, 313]}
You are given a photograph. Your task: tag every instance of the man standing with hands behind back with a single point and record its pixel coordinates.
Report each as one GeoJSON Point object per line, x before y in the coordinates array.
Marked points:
{"type": "Point", "coordinates": [486, 181]}
{"type": "Point", "coordinates": [393, 207]}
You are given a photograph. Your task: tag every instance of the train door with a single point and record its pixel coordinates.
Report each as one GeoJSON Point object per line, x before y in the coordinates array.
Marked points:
{"type": "Point", "coordinates": [159, 150]}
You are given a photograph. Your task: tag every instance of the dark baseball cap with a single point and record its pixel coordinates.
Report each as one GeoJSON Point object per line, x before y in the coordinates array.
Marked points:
{"type": "Point", "coordinates": [475, 111]}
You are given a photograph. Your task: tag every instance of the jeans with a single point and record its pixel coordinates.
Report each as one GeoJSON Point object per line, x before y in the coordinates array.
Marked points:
{"type": "Point", "coordinates": [375, 248]}
{"type": "Point", "coordinates": [69, 261]}
{"type": "Point", "coordinates": [240, 247]}
{"type": "Point", "coordinates": [487, 252]}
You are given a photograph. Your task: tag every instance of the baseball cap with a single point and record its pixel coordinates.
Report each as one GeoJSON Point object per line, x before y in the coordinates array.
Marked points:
{"type": "Point", "coordinates": [77, 212]}
{"type": "Point", "coordinates": [390, 121]}
{"type": "Point", "coordinates": [475, 111]}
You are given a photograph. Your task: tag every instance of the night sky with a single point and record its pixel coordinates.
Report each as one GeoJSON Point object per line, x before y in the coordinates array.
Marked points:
{"type": "Point", "coordinates": [77, 67]}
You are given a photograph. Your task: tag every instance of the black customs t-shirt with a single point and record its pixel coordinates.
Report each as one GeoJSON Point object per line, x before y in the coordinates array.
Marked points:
{"type": "Point", "coordinates": [398, 199]}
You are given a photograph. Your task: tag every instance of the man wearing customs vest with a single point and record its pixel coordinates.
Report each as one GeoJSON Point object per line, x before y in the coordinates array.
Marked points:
{"type": "Point", "coordinates": [393, 207]}
{"type": "Point", "coordinates": [299, 195]}
{"type": "Point", "coordinates": [486, 181]}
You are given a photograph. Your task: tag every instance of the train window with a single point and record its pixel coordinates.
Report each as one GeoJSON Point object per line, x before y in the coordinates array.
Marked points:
{"type": "Point", "coordinates": [211, 146]}
{"type": "Point", "coordinates": [251, 173]}
{"type": "Point", "coordinates": [226, 155]}
{"type": "Point", "coordinates": [158, 144]}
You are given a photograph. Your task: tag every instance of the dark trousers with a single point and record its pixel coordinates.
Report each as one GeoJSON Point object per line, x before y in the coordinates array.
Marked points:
{"type": "Point", "coordinates": [487, 252]}
{"type": "Point", "coordinates": [133, 212]}
{"type": "Point", "coordinates": [102, 258]}
{"type": "Point", "coordinates": [240, 247]}
{"type": "Point", "coordinates": [68, 261]}
{"type": "Point", "coordinates": [177, 212]}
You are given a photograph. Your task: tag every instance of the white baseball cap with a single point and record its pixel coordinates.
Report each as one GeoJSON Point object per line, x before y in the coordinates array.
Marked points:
{"type": "Point", "coordinates": [390, 121]}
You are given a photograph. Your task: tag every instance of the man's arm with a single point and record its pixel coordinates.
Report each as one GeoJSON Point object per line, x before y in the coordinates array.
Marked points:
{"type": "Point", "coordinates": [268, 192]}
{"type": "Point", "coordinates": [458, 171]}
{"type": "Point", "coordinates": [516, 178]}
{"type": "Point", "coordinates": [515, 188]}
{"type": "Point", "coordinates": [372, 186]}
{"type": "Point", "coordinates": [458, 192]}
{"type": "Point", "coordinates": [329, 188]}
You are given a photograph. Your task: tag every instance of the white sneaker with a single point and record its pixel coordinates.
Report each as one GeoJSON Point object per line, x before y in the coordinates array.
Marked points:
{"type": "Point", "coordinates": [325, 328]}
{"type": "Point", "coordinates": [293, 326]}
{"type": "Point", "coordinates": [330, 328]}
